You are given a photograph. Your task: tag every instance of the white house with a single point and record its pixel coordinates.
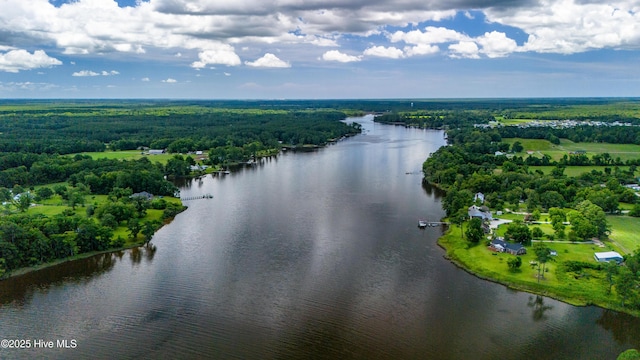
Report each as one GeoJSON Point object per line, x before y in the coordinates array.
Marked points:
{"type": "Point", "coordinates": [608, 256]}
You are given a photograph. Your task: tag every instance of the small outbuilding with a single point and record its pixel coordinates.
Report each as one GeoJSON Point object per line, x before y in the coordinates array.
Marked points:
{"type": "Point", "coordinates": [608, 256]}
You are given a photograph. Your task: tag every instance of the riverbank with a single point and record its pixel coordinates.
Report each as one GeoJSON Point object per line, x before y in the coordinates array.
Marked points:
{"type": "Point", "coordinates": [583, 289]}
{"type": "Point", "coordinates": [129, 245]}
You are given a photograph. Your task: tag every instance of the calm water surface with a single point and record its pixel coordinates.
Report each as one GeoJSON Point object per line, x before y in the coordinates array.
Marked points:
{"type": "Point", "coordinates": [308, 255]}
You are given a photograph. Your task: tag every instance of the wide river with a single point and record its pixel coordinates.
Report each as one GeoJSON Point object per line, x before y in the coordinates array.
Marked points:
{"type": "Point", "coordinates": [307, 255]}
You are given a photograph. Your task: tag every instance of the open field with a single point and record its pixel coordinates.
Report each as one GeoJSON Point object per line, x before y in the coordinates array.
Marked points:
{"type": "Point", "coordinates": [625, 232]}
{"type": "Point", "coordinates": [129, 155]}
{"type": "Point", "coordinates": [586, 287]}
{"type": "Point", "coordinates": [540, 147]}
{"type": "Point", "coordinates": [574, 171]}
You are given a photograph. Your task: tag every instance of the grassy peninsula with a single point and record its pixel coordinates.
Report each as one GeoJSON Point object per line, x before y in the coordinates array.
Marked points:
{"type": "Point", "coordinates": [561, 176]}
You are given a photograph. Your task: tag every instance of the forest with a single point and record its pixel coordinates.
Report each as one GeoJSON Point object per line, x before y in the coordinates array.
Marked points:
{"type": "Point", "coordinates": [59, 203]}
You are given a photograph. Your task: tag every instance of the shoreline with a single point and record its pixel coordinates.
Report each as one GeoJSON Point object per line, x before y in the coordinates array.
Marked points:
{"type": "Point", "coordinates": [518, 286]}
{"type": "Point", "coordinates": [26, 270]}
{"type": "Point", "coordinates": [29, 269]}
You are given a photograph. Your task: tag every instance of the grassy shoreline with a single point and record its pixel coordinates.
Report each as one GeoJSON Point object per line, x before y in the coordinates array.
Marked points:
{"type": "Point", "coordinates": [556, 285]}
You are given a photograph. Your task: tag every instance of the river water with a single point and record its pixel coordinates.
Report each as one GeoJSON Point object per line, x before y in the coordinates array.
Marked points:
{"type": "Point", "coordinates": [307, 255]}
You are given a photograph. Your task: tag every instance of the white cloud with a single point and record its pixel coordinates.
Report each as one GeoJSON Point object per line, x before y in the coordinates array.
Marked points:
{"type": "Point", "coordinates": [85, 73]}
{"type": "Point", "coordinates": [335, 55]}
{"type": "Point", "coordinates": [15, 60]}
{"type": "Point", "coordinates": [431, 35]}
{"type": "Point", "coordinates": [145, 79]}
{"type": "Point", "coordinates": [170, 81]}
{"type": "Point", "coordinates": [226, 74]}
{"type": "Point", "coordinates": [496, 44]}
{"type": "Point", "coordinates": [421, 49]}
{"type": "Point", "coordinates": [571, 26]}
{"type": "Point", "coordinates": [93, 73]}
{"type": "Point", "coordinates": [270, 61]}
{"type": "Point", "coordinates": [385, 52]}
{"type": "Point", "coordinates": [464, 49]}
{"type": "Point", "coordinates": [213, 28]}
{"type": "Point", "coordinates": [223, 54]}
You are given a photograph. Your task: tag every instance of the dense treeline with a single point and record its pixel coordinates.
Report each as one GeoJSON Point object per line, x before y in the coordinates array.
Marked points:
{"type": "Point", "coordinates": [435, 119]}
{"type": "Point", "coordinates": [611, 135]}
{"type": "Point", "coordinates": [175, 128]}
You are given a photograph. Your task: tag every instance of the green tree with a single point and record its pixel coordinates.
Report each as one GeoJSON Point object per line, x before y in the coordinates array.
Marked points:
{"type": "Point", "coordinates": [518, 232]}
{"type": "Point", "coordinates": [474, 230]}
{"type": "Point", "coordinates": [517, 147]}
{"type": "Point", "coordinates": [148, 229]}
{"type": "Point", "coordinates": [44, 193]}
{"type": "Point", "coordinates": [630, 354]}
{"type": "Point", "coordinates": [627, 287]}
{"type": "Point", "coordinates": [23, 201]}
{"type": "Point", "coordinates": [543, 256]}
{"type": "Point", "coordinates": [134, 227]}
{"type": "Point", "coordinates": [537, 233]}
{"type": "Point", "coordinates": [514, 263]}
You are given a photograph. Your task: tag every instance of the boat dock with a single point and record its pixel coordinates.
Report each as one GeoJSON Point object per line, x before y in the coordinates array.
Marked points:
{"type": "Point", "coordinates": [205, 196]}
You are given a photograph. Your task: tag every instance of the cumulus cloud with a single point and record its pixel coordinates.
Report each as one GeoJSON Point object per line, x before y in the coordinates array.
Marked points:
{"type": "Point", "coordinates": [213, 28]}
{"type": "Point", "coordinates": [571, 26]}
{"type": "Point", "coordinates": [385, 52]}
{"type": "Point", "coordinates": [223, 54]}
{"type": "Point", "coordinates": [496, 44]}
{"type": "Point", "coordinates": [335, 55]}
{"type": "Point", "coordinates": [269, 61]}
{"type": "Point", "coordinates": [145, 79]}
{"type": "Point", "coordinates": [464, 49]}
{"type": "Point", "coordinates": [170, 81]}
{"type": "Point", "coordinates": [15, 60]}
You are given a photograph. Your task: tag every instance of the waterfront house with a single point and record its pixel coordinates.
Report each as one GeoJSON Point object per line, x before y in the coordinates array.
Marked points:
{"type": "Point", "coordinates": [499, 245]}
{"type": "Point", "coordinates": [145, 195]}
{"type": "Point", "coordinates": [481, 212]}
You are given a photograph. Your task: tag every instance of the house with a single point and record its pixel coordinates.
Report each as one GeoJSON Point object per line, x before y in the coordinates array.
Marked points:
{"type": "Point", "coordinates": [499, 245]}
{"type": "Point", "coordinates": [145, 195]}
{"type": "Point", "coordinates": [479, 197]}
{"type": "Point", "coordinates": [500, 153]}
{"type": "Point", "coordinates": [608, 256]}
{"type": "Point", "coordinates": [156, 151]}
{"type": "Point", "coordinates": [481, 212]}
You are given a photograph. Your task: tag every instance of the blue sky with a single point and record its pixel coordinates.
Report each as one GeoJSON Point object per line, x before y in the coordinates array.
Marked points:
{"type": "Point", "coordinates": [272, 49]}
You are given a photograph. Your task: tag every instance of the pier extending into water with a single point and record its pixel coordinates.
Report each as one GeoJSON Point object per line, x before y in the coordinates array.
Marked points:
{"type": "Point", "coordinates": [205, 196]}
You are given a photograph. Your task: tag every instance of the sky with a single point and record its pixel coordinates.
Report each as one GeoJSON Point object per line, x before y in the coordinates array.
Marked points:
{"type": "Point", "coordinates": [313, 49]}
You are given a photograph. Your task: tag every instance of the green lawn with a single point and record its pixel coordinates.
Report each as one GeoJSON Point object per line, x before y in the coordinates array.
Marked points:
{"type": "Point", "coordinates": [129, 155]}
{"type": "Point", "coordinates": [540, 147]}
{"type": "Point", "coordinates": [582, 288]}
{"type": "Point", "coordinates": [574, 171]}
{"type": "Point", "coordinates": [625, 232]}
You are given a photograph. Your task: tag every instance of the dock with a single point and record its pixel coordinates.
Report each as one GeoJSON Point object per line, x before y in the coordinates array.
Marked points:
{"type": "Point", "coordinates": [205, 196]}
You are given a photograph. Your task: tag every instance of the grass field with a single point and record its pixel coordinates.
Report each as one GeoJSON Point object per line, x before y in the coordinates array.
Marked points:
{"type": "Point", "coordinates": [625, 232]}
{"type": "Point", "coordinates": [574, 171]}
{"type": "Point", "coordinates": [581, 288]}
{"type": "Point", "coordinates": [540, 147]}
{"type": "Point", "coordinates": [129, 155]}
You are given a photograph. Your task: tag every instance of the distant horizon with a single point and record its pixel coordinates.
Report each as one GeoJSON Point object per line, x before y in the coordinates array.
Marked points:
{"type": "Point", "coordinates": [333, 99]}
{"type": "Point", "coordinates": [292, 49]}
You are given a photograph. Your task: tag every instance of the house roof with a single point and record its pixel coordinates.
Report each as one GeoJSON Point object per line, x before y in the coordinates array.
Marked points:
{"type": "Point", "coordinates": [475, 211]}
{"type": "Point", "coordinates": [607, 255]}
{"type": "Point", "coordinates": [507, 245]}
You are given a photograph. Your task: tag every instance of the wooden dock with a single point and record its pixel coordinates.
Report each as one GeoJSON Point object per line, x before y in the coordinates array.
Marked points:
{"type": "Point", "coordinates": [205, 196]}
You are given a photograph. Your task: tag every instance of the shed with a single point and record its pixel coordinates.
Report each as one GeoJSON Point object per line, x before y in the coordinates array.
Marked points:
{"type": "Point", "coordinates": [608, 256]}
